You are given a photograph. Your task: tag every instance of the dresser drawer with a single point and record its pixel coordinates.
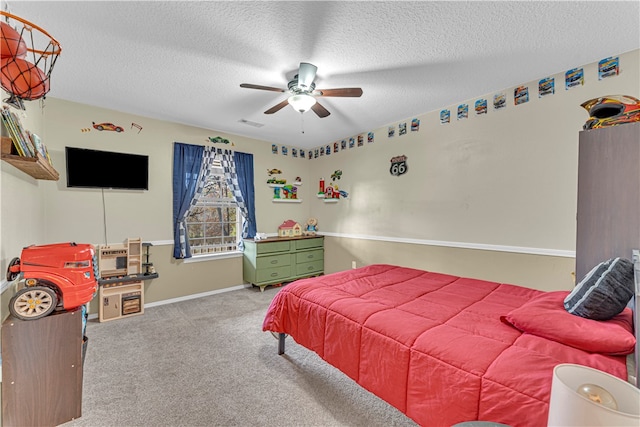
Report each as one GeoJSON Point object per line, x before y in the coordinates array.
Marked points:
{"type": "Point", "coordinates": [317, 242]}
{"type": "Point", "coordinates": [308, 256]}
{"type": "Point", "coordinates": [309, 267]}
{"type": "Point", "coordinates": [269, 247]}
{"type": "Point", "coordinates": [273, 274]}
{"type": "Point", "coordinates": [272, 261]}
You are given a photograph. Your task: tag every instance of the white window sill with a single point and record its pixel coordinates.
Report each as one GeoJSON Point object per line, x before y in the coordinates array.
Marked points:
{"type": "Point", "coordinates": [212, 256]}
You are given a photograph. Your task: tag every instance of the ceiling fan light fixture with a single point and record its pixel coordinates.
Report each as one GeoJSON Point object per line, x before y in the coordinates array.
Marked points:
{"type": "Point", "coordinates": [302, 102]}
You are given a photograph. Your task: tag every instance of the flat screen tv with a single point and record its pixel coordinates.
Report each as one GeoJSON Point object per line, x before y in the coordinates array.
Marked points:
{"type": "Point", "coordinates": [87, 168]}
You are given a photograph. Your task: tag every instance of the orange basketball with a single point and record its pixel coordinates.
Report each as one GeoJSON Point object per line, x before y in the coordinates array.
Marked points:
{"type": "Point", "coordinates": [11, 44]}
{"type": "Point", "coordinates": [23, 79]}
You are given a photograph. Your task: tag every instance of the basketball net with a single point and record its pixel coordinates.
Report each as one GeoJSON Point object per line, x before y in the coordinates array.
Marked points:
{"type": "Point", "coordinates": [28, 56]}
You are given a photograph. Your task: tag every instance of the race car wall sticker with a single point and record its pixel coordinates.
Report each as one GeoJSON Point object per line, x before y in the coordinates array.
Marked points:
{"type": "Point", "coordinates": [608, 67]}
{"type": "Point", "coordinates": [573, 78]}
{"type": "Point", "coordinates": [521, 95]}
{"type": "Point", "coordinates": [499, 101]}
{"type": "Point", "coordinates": [107, 126]}
{"type": "Point", "coordinates": [481, 107]}
{"type": "Point", "coordinates": [445, 117]}
{"type": "Point", "coordinates": [546, 87]}
{"type": "Point", "coordinates": [463, 111]}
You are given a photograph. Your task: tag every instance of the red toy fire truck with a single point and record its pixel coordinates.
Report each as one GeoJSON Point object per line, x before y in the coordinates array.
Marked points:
{"type": "Point", "coordinates": [59, 274]}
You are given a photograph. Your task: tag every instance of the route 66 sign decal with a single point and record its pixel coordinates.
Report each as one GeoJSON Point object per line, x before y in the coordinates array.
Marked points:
{"type": "Point", "coordinates": [398, 165]}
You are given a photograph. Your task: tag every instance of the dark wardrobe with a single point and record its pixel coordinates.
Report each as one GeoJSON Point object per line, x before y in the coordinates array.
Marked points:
{"type": "Point", "coordinates": [608, 218]}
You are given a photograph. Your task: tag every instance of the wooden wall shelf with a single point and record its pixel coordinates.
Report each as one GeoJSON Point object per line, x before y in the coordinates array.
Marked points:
{"type": "Point", "coordinates": [37, 167]}
{"type": "Point", "coordinates": [287, 200]}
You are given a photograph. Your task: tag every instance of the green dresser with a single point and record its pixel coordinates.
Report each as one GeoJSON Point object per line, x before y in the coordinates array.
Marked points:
{"type": "Point", "coordinates": [282, 259]}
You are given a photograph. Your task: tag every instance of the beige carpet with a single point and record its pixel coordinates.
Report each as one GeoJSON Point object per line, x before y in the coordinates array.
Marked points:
{"type": "Point", "coordinates": [206, 362]}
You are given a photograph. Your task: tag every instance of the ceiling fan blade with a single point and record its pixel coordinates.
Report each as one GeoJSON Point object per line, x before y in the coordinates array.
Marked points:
{"type": "Point", "coordinates": [278, 107]}
{"type": "Point", "coordinates": [320, 110]}
{"type": "Point", "coordinates": [306, 75]}
{"type": "Point", "coordinates": [344, 92]}
{"type": "Point", "coordinates": [251, 86]}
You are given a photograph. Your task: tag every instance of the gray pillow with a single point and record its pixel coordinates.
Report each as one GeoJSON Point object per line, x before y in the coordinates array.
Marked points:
{"type": "Point", "coordinates": [603, 292]}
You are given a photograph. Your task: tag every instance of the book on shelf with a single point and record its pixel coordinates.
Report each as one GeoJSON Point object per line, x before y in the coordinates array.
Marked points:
{"type": "Point", "coordinates": [48, 157]}
{"type": "Point", "coordinates": [38, 144]}
{"type": "Point", "coordinates": [11, 131]}
{"type": "Point", "coordinates": [23, 136]}
{"type": "Point", "coordinates": [21, 141]}
{"type": "Point", "coordinates": [41, 147]}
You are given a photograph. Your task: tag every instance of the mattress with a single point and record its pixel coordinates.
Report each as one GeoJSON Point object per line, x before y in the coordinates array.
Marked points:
{"type": "Point", "coordinates": [445, 349]}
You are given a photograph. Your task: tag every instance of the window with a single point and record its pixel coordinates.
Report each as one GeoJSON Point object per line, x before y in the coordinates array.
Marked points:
{"type": "Point", "coordinates": [214, 223]}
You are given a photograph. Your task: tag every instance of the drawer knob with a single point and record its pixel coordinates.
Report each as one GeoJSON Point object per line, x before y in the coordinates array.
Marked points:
{"type": "Point", "coordinates": [274, 274]}
{"type": "Point", "coordinates": [310, 256]}
{"type": "Point", "coordinates": [275, 261]}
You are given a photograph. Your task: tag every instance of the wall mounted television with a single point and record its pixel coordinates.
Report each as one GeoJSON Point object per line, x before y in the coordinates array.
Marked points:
{"type": "Point", "coordinates": [87, 168]}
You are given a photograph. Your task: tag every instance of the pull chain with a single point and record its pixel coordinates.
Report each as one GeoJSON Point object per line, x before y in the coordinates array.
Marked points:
{"type": "Point", "coordinates": [302, 121]}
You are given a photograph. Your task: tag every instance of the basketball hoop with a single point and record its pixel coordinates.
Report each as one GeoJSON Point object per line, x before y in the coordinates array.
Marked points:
{"type": "Point", "coordinates": [28, 56]}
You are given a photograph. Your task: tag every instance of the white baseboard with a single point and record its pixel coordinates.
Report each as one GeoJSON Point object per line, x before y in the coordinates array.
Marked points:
{"type": "Point", "coordinates": [186, 297]}
{"type": "Point", "coordinates": [3, 286]}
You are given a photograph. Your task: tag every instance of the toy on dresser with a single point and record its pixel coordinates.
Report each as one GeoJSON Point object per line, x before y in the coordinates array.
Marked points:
{"type": "Point", "coordinates": [311, 227]}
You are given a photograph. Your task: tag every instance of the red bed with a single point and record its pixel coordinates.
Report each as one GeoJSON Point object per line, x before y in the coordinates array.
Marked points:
{"type": "Point", "coordinates": [445, 349]}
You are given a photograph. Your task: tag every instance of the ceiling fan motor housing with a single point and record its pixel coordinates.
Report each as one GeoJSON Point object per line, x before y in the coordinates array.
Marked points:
{"type": "Point", "coordinates": [295, 88]}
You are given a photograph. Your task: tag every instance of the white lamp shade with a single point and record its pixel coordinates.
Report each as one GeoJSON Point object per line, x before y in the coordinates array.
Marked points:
{"type": "Point", "coordinates": [302, 102]}
{"type": "Point", "coordinates": [568, 408]}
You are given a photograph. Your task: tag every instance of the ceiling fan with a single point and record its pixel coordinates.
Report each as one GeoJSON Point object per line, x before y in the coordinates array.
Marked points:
{"type": "Point", "coordinates": [303, 92]}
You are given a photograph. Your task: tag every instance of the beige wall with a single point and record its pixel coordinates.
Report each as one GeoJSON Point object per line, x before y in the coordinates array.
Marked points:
{"type": "Point", "coordinates": [492, 197]}
{"type": "Point", "coordinates": [507, 178]}
{"type": "Point", "coordinates": [60, 214]}
{"type": "Point", "coordinates": [77, 214]}
{"type": "Point", "coordinates": [22, 213]}
{"type": "Point", "coordinates": [534, 271]}
{"type": "Point", "coordinates": [177, 279]}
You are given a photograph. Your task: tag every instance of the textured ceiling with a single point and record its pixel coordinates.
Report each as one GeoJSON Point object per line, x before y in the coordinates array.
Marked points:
{"type": "Point", "coordinates": [184, 61]}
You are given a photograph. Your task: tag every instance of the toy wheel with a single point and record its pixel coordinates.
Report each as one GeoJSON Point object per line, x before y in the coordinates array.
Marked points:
{"type": "Point", "coordinates": [33, 302]}
{"type": "Point", "coordinates": [12, 275]}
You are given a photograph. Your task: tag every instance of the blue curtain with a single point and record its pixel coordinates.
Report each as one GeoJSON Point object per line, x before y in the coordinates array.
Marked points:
{"type": "Point", "coordinates": [244, 173]}
{"type": "Point", "coordinates": [187, 162]}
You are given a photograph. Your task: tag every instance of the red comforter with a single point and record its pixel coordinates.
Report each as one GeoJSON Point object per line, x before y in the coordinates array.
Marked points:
{"type": "Point", "coordinates": [432, 345]}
